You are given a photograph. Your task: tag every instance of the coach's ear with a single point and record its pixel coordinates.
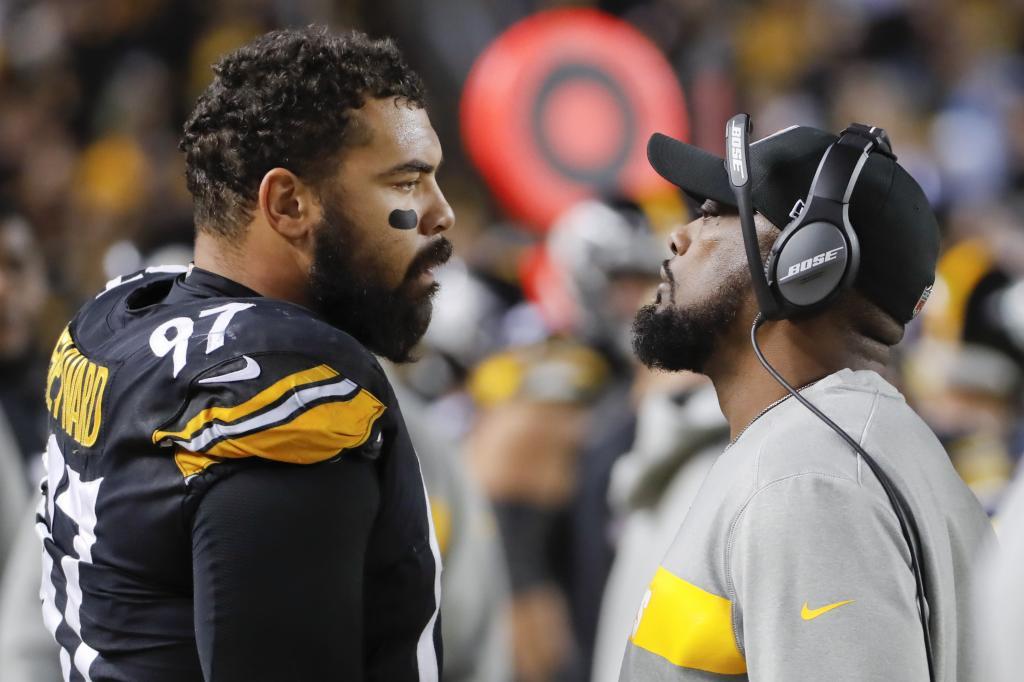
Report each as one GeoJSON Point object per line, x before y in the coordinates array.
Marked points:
{"type": "Point", "coordinates": [289, 206]}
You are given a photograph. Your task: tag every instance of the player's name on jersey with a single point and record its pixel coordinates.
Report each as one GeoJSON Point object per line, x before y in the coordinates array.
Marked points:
{"type": "Point", "coordinates": [74, 392]}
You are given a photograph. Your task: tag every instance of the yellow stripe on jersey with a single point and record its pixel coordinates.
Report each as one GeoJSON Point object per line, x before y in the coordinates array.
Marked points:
{"type": "Point", "coordinates": [315, 435]}
{"type": "Point", "coordinates": [258, 402]}
{"type": "Point", "coordinates": [688, 627]}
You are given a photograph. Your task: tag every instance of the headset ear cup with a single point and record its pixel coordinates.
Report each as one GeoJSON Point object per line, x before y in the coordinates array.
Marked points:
{"type": "Point", "coordinates": [785, 308]}
{"type": "Point", "coordinates": [809, 265]}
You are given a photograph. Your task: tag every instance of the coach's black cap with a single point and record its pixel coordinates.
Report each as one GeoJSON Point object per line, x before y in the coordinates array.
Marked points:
{"type": "Point", "coordinates": [898, 233]}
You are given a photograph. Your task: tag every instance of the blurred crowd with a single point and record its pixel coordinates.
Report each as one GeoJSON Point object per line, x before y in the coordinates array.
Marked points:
{"type": "Point", "coordinates": [556, 465]}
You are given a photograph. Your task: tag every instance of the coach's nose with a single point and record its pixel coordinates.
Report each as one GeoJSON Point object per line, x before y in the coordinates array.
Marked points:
{"type": "Point", "coordinates": [679, 240]}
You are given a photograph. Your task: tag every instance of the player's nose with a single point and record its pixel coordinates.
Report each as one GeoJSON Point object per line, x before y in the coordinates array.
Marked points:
{"type": "Point", "coordinates": [440, 218]}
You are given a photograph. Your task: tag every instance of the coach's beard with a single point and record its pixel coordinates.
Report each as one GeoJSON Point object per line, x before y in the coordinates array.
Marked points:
{"type": "Point", "coordinates": [676, 339]}
{"type": "Point", "coordinates": [347, 294]}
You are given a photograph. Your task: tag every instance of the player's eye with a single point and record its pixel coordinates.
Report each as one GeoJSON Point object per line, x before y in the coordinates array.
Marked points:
{"type": "Point", "coordinates": [407, 185]}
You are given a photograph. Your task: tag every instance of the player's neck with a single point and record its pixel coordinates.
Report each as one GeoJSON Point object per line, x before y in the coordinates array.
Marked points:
{"type": "Point", "coordinates": [801, 354]}
{"type": "Point", "coordinates": [244, 264]}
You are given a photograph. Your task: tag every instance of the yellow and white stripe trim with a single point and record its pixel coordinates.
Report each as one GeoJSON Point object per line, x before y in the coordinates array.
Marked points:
{"type": "Point", "coordinates": [313, 419]}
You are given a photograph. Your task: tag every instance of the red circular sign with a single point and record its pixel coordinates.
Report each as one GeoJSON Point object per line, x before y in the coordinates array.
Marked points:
{"type": "Point", "coordinates": [560, 107]}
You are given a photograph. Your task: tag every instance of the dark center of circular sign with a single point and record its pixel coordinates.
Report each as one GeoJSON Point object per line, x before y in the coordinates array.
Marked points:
{"type": "Point", "coordinates": [603, 109]}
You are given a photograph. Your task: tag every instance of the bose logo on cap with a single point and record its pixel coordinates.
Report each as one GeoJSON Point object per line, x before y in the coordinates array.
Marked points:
{"type": "Point", "coordinates": [921, 301]}
{"type": "Point", "coordinates": [810, 263]}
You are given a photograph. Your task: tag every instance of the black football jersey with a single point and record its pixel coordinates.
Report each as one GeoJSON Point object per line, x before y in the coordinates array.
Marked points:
{"type": "Point", "coordinates": [168, 382]}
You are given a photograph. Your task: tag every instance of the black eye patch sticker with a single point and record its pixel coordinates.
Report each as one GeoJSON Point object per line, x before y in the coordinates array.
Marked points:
{"type": "Point", "coordinates": [403, 219]}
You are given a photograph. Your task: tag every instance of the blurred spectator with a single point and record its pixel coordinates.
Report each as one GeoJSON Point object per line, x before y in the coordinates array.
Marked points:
{"type": "Point", "coordinates": [23, 293]}
{"type": "Point", "coordinates": [23, 290]}
{"type": "Point", "coordinates": [600, 263]}
{"type": "Point", "coordinates": [474, 627]}
{"type": "Point", "coordinates": [680, 432]}
{"type": "Point", "coordinates": [523, 448]}
{"type": "Point", "coordinates": [966, 373]}
{"type": "Point", "coordinates": [28, 652]}
{"type": "Point", "coordinates": [999, 603]}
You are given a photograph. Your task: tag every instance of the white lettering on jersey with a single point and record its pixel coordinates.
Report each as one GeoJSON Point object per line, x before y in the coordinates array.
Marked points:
{"type": "Point", "coordinates": [225, 314]}
{"type": "Point", "coordinates": [162, 343]}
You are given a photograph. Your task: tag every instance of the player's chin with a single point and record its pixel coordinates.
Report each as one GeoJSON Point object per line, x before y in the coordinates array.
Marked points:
{"type": "Point", "coordinates": [411, 322]}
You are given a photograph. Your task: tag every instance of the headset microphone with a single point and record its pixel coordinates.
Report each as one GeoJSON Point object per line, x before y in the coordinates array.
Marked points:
{"type": "Point", "coordinates": [819, 254]}
{"type": "Point", "coordinates": [737, 163]}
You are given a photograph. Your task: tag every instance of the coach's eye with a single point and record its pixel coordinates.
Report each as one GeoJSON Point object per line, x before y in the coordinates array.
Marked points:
{"type": "Point", "coordinates": [407, 186]}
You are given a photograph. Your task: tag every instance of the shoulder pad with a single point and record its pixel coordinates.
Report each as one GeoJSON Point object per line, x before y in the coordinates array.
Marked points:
{"type": "Point", "coordinates": [277, 405]}
{"type": "Point", "coordinates": [92, 323]}
{"type": "Point", "coordinates": [153, 272]}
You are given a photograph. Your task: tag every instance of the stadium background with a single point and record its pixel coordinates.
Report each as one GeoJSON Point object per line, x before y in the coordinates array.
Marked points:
{"type": "Point", "coordinates": [522, 361]}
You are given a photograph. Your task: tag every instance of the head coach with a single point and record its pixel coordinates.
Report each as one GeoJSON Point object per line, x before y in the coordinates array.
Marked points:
{"type": "Point", "coordinates": [832, 538]}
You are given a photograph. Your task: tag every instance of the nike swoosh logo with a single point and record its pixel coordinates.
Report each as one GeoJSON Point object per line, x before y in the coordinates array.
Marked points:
{"type": "Point", "coordinates": [250, 371]}
{"type": "Point", "coordinates": [811, 614]}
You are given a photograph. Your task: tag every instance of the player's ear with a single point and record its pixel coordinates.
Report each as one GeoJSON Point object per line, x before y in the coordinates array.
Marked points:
{"type": "Point", "coordinates": [288, 204]}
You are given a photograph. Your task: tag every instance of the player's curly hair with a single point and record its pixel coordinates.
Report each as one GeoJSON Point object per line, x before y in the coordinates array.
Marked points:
{"type": "Point", "coordinates": [283, 99]}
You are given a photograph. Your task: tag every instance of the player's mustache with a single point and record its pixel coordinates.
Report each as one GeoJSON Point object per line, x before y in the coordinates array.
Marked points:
{"type": "Point", "coordinates": [433, 254]}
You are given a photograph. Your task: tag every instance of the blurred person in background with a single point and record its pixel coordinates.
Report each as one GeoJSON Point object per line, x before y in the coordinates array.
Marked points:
{"type": "Point", "coordinates": [523, 447]}
{"type": "Point", "coordinates": [602, 262]}
{"type": "Point", "coordinates": [586, 281]}
{"type": "Point", "coordinates": [966, 375]}
{"type": "Point", "coordinates": [23, 291]}
{"type": "Point", "coordinates": [998, 606]}
{"type": "Point", "coordinates": [27, 651]}
{"type": "Point", "coordinates": [680, 432]}
{"type": "Point", "coordinates": [474, 584]}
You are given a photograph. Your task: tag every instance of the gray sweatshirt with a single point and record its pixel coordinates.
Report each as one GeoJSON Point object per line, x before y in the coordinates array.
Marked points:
{"type": "Point", "coordinates": [791, 566]}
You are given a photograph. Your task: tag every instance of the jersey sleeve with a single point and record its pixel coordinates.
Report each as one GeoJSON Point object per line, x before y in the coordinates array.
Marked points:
{"type": "Point", "coordinates": [279, 406]}
{"type": "Point", "coordinates": [823, 584]}
{"type": "Point", "coordinates": [278, 589]}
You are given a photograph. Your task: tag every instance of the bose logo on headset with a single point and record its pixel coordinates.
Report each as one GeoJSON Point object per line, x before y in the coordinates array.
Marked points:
{"type": "Point", "coordinates": [736, 150]}
{"type": "Point", "coordinates": [812, 262]}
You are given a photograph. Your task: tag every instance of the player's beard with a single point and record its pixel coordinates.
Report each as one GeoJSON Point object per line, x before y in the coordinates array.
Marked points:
{"type": "Point", "coordinates": [347, 291]}
{"type": "Point", "coordinates": [677, 339]}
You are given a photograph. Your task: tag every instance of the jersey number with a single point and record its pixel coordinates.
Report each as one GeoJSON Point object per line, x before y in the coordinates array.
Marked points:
{"type": "Point", "coordinates": [78, 502]}
{"type": "Point", "coordinates": [173, 335]}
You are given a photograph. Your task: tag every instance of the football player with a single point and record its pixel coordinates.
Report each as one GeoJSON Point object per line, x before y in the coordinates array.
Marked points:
{"type": "Point", "coordinates": [231, 492]}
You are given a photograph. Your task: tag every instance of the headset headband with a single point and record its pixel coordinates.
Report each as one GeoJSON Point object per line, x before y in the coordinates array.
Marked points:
{"type": "Point", "coordinates": [827, 202]}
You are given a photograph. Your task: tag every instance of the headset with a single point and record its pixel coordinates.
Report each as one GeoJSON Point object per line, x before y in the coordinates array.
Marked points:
{"type": "Point", "coordinates": [814, 259]}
